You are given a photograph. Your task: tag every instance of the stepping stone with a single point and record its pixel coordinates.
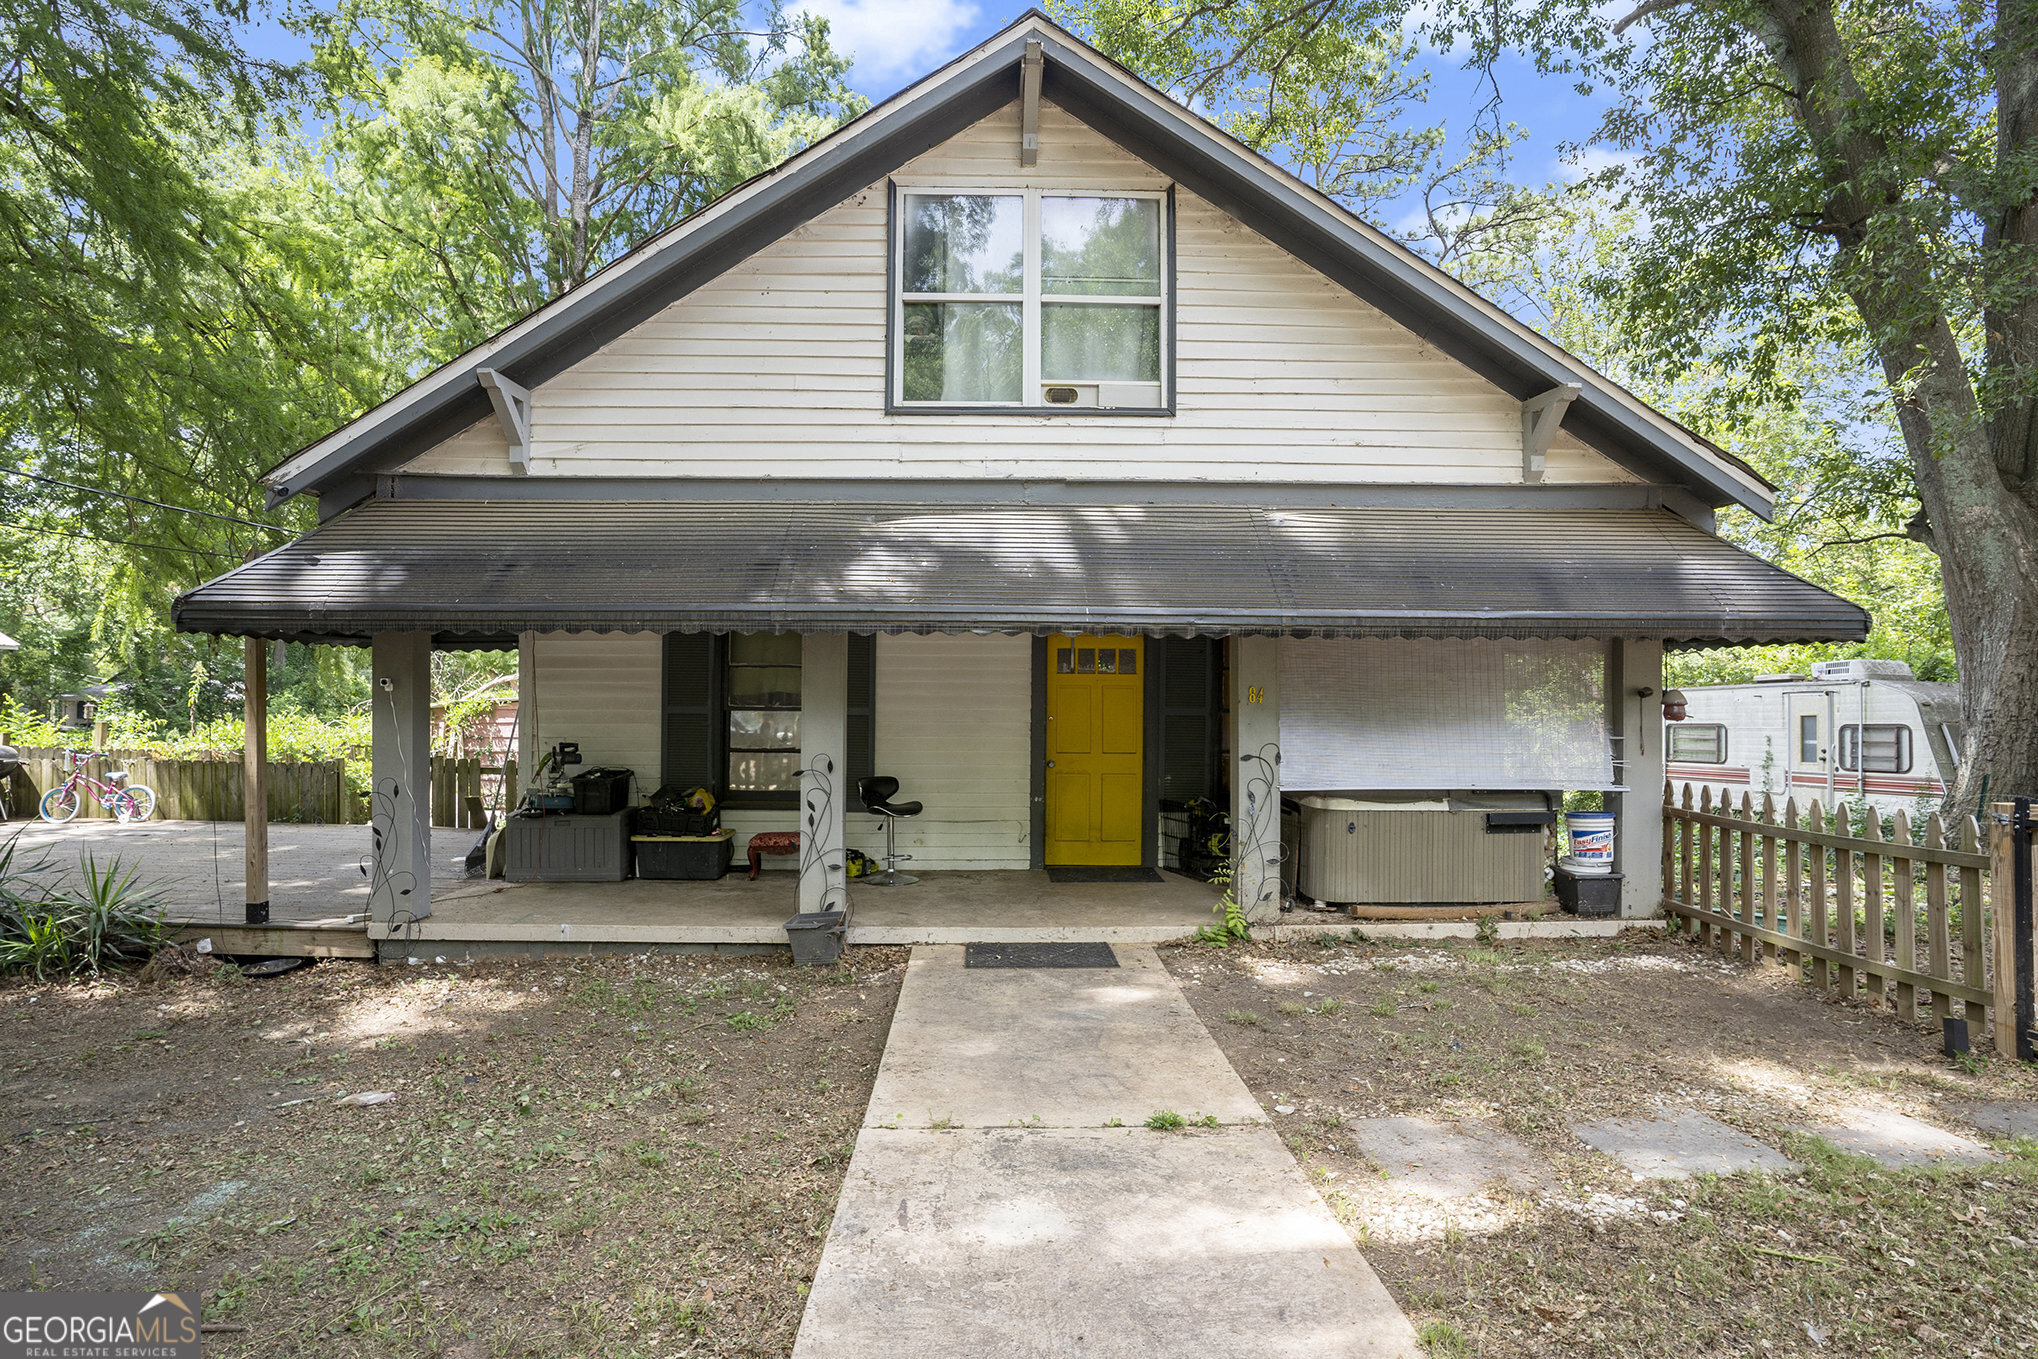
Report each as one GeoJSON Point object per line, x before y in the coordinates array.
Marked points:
{"type": "Point", "coordinates": [1899, 1141]}
{"type": "Point", "coordinates": [2004, 1120]}
{"type": "Point", "coordinates": [1680, 1145]}
{"type": "Point", "coordinates": [1446, 1160]}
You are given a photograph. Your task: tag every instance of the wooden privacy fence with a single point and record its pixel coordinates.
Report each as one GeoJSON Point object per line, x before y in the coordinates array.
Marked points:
{"type": "Point", "coordinates": [311, 792]}
{"type": "Point", "coordinates": [1900, 914]}
{"type": "Point", "coordinates": [304, 792]}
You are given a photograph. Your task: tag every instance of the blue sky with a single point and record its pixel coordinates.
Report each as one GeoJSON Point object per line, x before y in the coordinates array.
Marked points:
{"type": "Point", "coordinates": [895, 41]}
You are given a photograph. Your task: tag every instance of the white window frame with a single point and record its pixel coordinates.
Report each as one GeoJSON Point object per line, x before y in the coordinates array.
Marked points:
{"type": "Point", "coordinates": [1031, 300]}
{"type": "Point", "coordinates": [1850, 744]}
{"type": "Point", "coordinates": [1681, 727]}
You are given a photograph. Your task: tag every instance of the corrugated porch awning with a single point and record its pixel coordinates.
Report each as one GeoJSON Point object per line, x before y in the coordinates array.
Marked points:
{"type": "Point", "coordinates": [476, 573]}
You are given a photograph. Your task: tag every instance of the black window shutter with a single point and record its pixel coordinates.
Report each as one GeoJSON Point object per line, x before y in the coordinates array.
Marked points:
{"type": "Point", "coordinates": [862, 751]}
{"type": "Point", "coordinates": [693, 711]}
{"type": "Point", "coordinates": [1191, 717]}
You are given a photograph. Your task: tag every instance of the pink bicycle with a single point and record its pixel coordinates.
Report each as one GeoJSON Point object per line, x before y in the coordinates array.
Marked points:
{"type": "Point", "coordinates": [127, 801]}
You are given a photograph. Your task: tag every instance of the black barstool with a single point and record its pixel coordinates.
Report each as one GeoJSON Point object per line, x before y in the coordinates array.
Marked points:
{"type": "Point", "coordinates": [877, 793]}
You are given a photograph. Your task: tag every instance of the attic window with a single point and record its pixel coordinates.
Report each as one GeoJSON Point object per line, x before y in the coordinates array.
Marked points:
{"type": "Point", "coordinates": [1029, 299]}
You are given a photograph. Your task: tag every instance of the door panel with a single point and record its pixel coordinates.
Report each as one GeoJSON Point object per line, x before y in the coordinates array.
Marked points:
{"type": "Point", "coordinates": [1096, 750]}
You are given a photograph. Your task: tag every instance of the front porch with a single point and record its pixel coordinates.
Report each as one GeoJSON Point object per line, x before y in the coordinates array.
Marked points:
{"type": "Point", "coordinates": [1010, 906]}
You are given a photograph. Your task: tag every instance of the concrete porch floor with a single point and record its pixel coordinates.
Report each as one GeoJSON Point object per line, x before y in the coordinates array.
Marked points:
{"type": "Point", "coordinates": [942, 908]}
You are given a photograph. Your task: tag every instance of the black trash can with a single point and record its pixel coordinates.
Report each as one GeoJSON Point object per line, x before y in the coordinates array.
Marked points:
{"type": "Point", "coordinates": [816, 937]}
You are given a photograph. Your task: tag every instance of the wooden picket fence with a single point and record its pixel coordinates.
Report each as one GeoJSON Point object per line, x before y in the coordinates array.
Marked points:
{"type": "Point", "coordinates": [1902, 916]}
{"type": "Point", "coordinates": [304, 792]}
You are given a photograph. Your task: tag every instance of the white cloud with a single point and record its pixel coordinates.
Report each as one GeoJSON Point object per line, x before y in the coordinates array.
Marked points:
{"type": "Point", "coordinates": [895, 39]}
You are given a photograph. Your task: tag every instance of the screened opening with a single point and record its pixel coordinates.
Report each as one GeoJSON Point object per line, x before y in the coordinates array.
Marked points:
{"type": "Point", "coordinates": [1878, 748]}
{"type": "Point", "coordinates": [1698, 743]}
{"type": "Point", "coordinates": [1415, 714]}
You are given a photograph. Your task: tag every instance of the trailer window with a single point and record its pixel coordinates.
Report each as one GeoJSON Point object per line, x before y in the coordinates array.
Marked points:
{"type": "Point", "coordinates": [1878, 748]}
{"type": "Point", "coordinates": [1808, 739]}
{"type": "Point", "coordinates": [1698, 743]}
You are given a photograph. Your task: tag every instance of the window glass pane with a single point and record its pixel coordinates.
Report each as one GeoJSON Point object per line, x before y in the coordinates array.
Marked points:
{"type": "Point", "coordinates": [1086, 660]}
{"type": "Point", "coordinates": [961, 351]}
{"type": "Point", "coordinates": [1886, 749]}
{"type": "Point", "coordinates": [764, 771]}
{"type": "Point", "coordinates": [1064, 661]}
{"type": "Point", "coordinates": [1704, 744]}
{"type": "Point", "coordinates": [1107, 661]}
{"type": "Point", "coordinates": [1100, 247]}
{"type": "Point", "coordinates": [1100, 343]}
{"type": "Point", "coordinates": [763, 729]}
{"type": "Point", "coordinates": [1808, 739]}
{"type": "Point", "coordinates": [764, 686]}
{"type": "Point", "coordinates": [964, 243]}
{"type": "Point", "coordinates": [1128, 661]}
{"type": "Point", "coordinates": [764, 648]}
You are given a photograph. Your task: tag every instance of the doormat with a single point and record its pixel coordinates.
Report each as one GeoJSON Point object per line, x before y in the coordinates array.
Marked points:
{"type": "Point", "coordinates": [1078, 873]}
{"type": "Point", "coordinates": [1038, 955]}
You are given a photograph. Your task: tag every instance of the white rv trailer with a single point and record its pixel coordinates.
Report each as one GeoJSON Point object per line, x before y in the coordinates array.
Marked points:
{"type": "Point", "coordinates": [1852, 731]}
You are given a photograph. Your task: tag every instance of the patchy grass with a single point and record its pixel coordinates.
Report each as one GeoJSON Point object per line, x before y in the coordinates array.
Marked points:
{"type": "Point", "coordinates": [1842, 1258]}
{"type": "Point", "coordinates": [613, 1157]}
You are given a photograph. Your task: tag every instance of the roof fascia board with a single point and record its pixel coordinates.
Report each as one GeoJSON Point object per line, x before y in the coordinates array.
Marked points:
{"type": "Point", "coordinates": [1419, 298]}
{"type": "Point", "coordinates": [937, 491]}
{"type": "Point", "coordinates": [633, 289]}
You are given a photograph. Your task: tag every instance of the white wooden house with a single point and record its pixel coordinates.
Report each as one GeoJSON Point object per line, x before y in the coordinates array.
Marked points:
{"type": "Point", "coordinates": [1030, 441]}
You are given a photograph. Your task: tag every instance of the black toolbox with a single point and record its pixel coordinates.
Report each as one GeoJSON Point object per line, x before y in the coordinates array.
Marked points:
{"type": "Point", "coordinates": [691, 858]}
{"type": "Point", "coordinates": [601, 792]}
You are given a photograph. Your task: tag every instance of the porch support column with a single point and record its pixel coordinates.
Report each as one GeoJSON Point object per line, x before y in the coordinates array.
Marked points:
{"type": "Point", "coordinates": [400, 881]}
{"type": "Point", "coordinates": [255, 776]}
{"type": "Point", "coordinates": [1634, 681]}
{"type": "Point", "coordinates": [824, 770]}
{"type": "Point", "coordinates": [1256, 777]}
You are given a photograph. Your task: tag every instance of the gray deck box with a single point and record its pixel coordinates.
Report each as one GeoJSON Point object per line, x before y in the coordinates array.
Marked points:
{"type": "Point", "coordinates": [566, 847]}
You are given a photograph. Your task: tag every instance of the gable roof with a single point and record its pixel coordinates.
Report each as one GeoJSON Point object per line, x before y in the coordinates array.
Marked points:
{"type": "Point", "coordinates": [1199, 156]}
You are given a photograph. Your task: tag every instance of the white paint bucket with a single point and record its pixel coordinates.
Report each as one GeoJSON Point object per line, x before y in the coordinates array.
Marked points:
{"type": "Point", "coordinates": [1591, 841]}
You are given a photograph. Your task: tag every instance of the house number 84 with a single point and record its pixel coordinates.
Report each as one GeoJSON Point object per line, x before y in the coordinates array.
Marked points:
{"type": "Point", "coordinates": [1255, 694]}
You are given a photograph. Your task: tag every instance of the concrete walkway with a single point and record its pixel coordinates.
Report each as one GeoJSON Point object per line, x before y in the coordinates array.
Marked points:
{"type": "Point", "coordinates": [993, 1208]}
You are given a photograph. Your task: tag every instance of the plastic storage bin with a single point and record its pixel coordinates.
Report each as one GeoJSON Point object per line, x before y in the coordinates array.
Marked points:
{"type": "Point", "coordinates": [668, 821]}
{"type": "Point", "coordinates": [1589, 894]}
{"type": "Point", "coordinates": [683, 857]}
{"type": "Point", "coordinates": [599, 792]}
{"type": "Point", "coordinates": [568, 848]}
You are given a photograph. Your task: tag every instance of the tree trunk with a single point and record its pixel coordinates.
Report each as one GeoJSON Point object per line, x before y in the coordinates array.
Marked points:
{"type": "Point", "coordinates": [1972, 464]}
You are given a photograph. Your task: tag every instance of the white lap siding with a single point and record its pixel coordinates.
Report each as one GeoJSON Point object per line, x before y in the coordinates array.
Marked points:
{"type": "Point", "coordinates": [954, 727]}
{"type": "Point", "coordinates": [777, 368]}
{"type": "Point", "coordinates": [601, 690]}
{"type": "Point", "coordinates": [954, 719]}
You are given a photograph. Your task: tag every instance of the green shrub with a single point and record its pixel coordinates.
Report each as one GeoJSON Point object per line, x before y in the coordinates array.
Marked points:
{"type": "Point", "coordinates": [48, 929]}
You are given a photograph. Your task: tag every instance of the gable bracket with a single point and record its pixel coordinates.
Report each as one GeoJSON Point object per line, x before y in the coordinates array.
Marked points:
{"type": "Point", "coordinates": [513, 409]}
{"type": "Point", "coordinates": [1030, 66]}
{"type": "Point", "coordinates": [1540, 417]}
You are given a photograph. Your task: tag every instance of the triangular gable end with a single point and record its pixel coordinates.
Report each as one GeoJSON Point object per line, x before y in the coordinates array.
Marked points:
{"type": "Point", "coordinates": [1190, 152]}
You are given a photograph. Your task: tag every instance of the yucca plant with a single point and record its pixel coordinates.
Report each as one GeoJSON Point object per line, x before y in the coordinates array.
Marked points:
{"type": "Point", "coordinates": [52, 929]}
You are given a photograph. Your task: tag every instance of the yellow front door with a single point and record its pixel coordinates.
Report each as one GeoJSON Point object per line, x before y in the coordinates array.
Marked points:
{"type": "Point", "coordinates": [1094, 749]}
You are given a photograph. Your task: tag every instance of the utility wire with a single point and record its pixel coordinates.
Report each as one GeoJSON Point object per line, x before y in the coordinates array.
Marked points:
{"type": "Point", "coordinates": [115, 542]}
{"type": "Point", "coordinates": [143, 500]}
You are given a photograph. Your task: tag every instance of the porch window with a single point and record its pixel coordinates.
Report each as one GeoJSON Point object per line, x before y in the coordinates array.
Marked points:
{"type": "Point", "coordinates": [1878, 748]}
{"type": "Point", "coordinates": [1698, 743]}
{"type": "Point", "coordinates": [762, 697]}
{"type": "Point", "coordinates": [1027, 299]}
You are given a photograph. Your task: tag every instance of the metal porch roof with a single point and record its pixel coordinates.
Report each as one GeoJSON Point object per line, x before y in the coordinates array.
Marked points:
{"type": "Point", "coordinates": [476, 573]}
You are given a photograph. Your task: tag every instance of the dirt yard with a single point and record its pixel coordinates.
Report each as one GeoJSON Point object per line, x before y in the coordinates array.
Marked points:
{"type": "Point", "coordinates": [614, 1157]}
{"type": "Point", "coordinates": [1840, 1258]}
